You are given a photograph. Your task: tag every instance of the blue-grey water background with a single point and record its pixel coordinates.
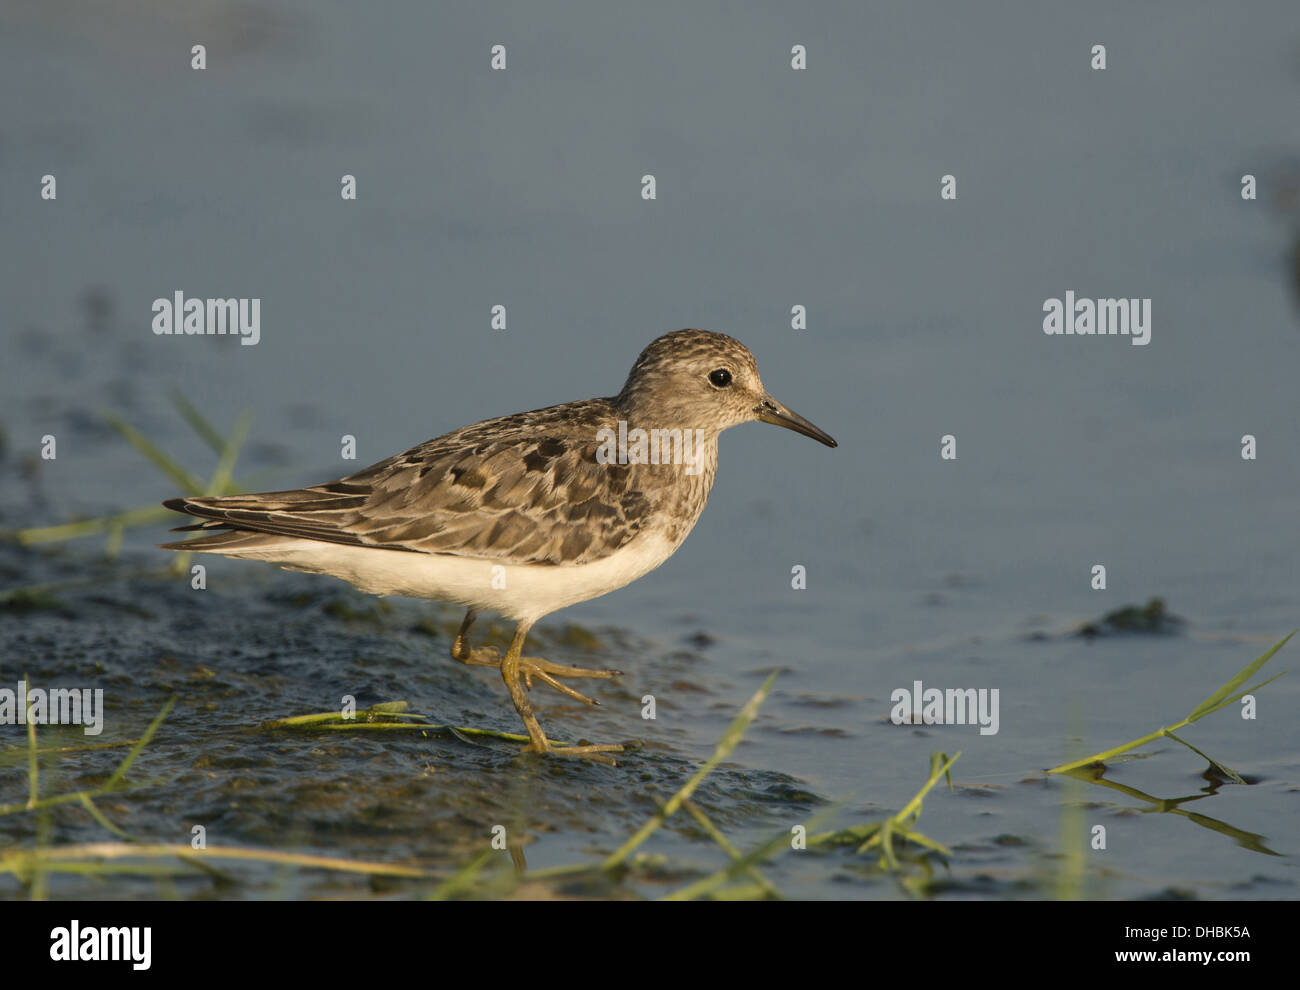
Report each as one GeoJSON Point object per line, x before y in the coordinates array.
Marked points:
{"type": "Point", "coordinates": [776, 188]}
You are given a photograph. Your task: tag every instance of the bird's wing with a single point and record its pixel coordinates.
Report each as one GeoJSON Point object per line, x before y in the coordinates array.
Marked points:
{"type": "Point", "coordinates": [521, 489]}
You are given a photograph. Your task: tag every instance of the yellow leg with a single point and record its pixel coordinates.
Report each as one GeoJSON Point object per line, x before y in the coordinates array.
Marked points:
{"type": "Point", "coordinates": [518, 673]}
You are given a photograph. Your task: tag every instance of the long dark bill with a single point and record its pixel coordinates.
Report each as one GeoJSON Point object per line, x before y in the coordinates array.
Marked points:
{"type": "Point", "coordinates": [771, 411]}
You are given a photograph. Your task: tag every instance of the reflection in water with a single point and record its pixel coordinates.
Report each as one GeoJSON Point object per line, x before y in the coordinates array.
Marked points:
{"type": "Point", "coordinates": [1172, 806]}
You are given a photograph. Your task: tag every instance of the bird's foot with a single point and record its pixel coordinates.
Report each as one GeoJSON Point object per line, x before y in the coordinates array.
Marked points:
{"type": "Point", "coordinates": [587, 752]}
{"type": "Point", "coordinates": [548, 672]}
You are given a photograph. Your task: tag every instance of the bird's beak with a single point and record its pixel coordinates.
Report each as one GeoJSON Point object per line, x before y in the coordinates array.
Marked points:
{"type": "Point", "coordinates": [771, 411]}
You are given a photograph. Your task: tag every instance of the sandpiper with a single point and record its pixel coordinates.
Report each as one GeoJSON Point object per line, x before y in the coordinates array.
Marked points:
{"type": "Point", "coordinates": [520, 515]}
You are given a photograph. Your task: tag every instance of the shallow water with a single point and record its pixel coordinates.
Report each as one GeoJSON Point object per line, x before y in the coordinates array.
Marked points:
{"type": "Point", "coordinates": [925, 319]}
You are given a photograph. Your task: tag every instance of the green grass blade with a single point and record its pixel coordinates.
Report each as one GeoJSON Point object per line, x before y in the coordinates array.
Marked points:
{"type": "Point", "coordinates": [887, 845]}
{"type": "Point", "coordinates": [208, 433]}
{"type": "Point", "coordinates": [736, 855]}
{"type": "Point", "coordinates": [924, 840]}
{"type": "Point", "coordinates": [1107, 754]}
{"type": "Point", "coordinates": [1223, 768]}
{"type": "Point", "coordinates": [913, 807]}
{"type": "Point", "coordinates": [49, 802]}
{"type": "Point", "coordinates": [153, 452]}
{"type": "Point", "coordinates": [116, 532]}
{"type": "Point", "coordinates": [229, 454]}
{"type": "Point", "coordinates": [854, 835]}
{"type": "Point", "coordinates": [1236, 697]}
{"type": "Point", "coordinates": [733, 869]}
{"type": "Point", "coordinates": [938, 758]}
{"type": "Point", "coordinates": [40, 876]}
{"type": "Point", "coordinates": [375, 720]}
{"type": "Point", "coordinates": [33, 755]}
{"type": "Point", "coordinates": [138, 748]}
{"type": "Point", "coordinates": [79, 855]}
{"type": "Point", "coordinates": [464, 879]}
{"type": "Point", "coordinates": [98, 815]}
{"type": "Point", "coordinates": [1219, 699]}
{"type": "Point", "coordinates": [91, 527]}
{"type": "Point", "coordinates": [1246, 673]}
{"type": "Point", "coordinates": [725, 745]}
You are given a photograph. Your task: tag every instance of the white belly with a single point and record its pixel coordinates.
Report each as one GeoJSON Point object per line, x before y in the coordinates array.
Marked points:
{"type": "Point", "coordinates": [524, 592]}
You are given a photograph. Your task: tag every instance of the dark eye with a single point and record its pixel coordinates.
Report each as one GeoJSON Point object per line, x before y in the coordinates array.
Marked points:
{"type": "Point", "coordinates": [721, 378]}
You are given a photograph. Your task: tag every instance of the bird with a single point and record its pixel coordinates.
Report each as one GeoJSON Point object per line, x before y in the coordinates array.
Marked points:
{"type": "Point", "coordinates": [521, 515]}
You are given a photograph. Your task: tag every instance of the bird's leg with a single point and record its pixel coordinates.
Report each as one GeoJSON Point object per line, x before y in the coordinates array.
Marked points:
{"type": "Point", "coordinates": [518, 673]}
{"type": "Point", "coordinates": [511, 669]}
{"type": "Point", "coordinates": [529, 667]}
{"type": "Point", "coordinates": [481, 656]}
{"type": "Point", "coordinates": [510, 674]}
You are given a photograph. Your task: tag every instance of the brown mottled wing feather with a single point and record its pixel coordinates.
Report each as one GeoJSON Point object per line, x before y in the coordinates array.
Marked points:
{"type": "Point", "coordinates": [525, 488]}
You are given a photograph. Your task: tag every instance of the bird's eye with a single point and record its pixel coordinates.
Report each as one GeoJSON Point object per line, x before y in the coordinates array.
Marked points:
{"type": "Point", "coordinates": [721, 377]}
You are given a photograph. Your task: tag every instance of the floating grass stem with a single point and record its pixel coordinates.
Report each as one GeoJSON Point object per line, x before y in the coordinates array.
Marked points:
{"type": "Point", "coordinates": [80, 859]}
{"type": "Point", "coordinates": [384, 718]}
{"type": "Point", "coordinates": [1224, 696]}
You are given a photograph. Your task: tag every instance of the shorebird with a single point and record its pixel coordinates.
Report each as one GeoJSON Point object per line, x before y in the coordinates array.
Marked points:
{"type": "Point", "coordinates": [520, 515]}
